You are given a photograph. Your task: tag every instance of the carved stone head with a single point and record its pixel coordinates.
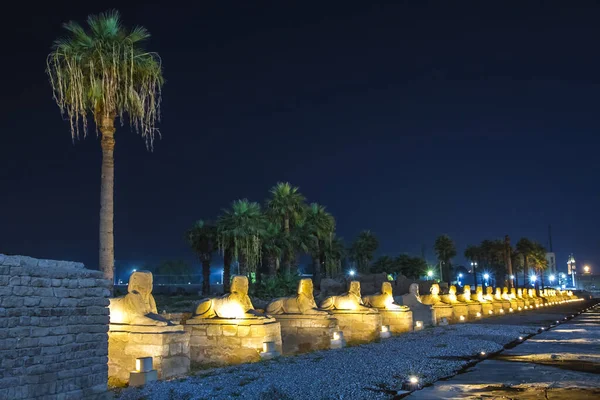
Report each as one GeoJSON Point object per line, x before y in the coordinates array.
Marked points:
{"type": "Point", "coordinates": [504, 290]}
{"type": "Point", "coordinates": [435, 289]}
{"type": "Point", "coordinates": [530, 292]}
{"type": "Point", "coordinates": [513, 291]}
{"type": "Point", "coordinates": [489, 290]}
{"type": "Point", "coordinates": [355, 288]}
{"type": "Point", "coordinates": [479, 289]}
{"type": "Point", "coordinates": [520, 292]}
{"type": "Point", "coordinates": [414, 289]}
{"type": "Point", "coordinates": [452, 290]}
{"type": "Point", "coordinates": [305, 287]}
{"type": "Point", "coordinates": [386, 288]}
{"type": "Point", "coordinates": [140, 282]}
{"type": "Point", "coordinates": [239, 284]}
{"type": "Point", "coordinates": [467, 292]}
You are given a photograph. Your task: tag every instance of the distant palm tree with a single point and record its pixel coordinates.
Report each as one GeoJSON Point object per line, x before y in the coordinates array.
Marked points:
{"type": "Point", "coordinates": [239, 230]}
{"type": "Point", "coordinates": [286, 207]}
{"type": "Point", "coordinates": [473, 254]}
{"type": "Point", "coordinates": [363, 250]}
{"type": "Point", "coordinates": [335, 251]}
{"type": "Point", "coordinates": [202, 238]}
{"type": "Point", "coordinates": [104, 73]}
{"type": "Point", "coordinates": [525, 248]}
{"type": "Point", "coordinates": [321, 226]}
{"type": "Point", "coordinates": [274, 243]}
{"type": "Point", "coordinates": [445, 249]}
{"type": "Point", "coordinates": [539, 262]}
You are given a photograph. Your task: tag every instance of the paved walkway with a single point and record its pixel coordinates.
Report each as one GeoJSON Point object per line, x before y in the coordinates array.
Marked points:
{"type": "Point", "coordinates": [560, 363]}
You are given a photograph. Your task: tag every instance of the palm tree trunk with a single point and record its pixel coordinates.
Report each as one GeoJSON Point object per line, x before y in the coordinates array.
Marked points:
{"type": "Point", "coordinates": [205, 277]}
{"type": "Point", "coordinates": [525, 270]}
{"type": "Point", "coordinates": [226, 270]}
{"type": "Point", "coordinates": [272, 266]}
{"type": "Point", "coordinates": [107, 238]}
{"type": "Point", "coordinates": [317, 266]}
{"type": "Point", "coordinates": [475, 274]}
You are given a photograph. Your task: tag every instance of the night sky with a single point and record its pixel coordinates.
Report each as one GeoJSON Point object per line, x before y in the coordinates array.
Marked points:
{"type": "Point", "coordinates": [476, 120]}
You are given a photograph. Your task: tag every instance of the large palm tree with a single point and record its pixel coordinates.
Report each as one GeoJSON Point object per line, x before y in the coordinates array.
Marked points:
{"type": "Point", "coordinates": [445, 250]}
{"type": "Point", "coordinates": [103, 73]}
{"type": "Point", "coordinates": [539, 262]}
{"type": "Point", "coordinates": [525, 247]}
{"type": "Point", "coordinates": [363, 250]}
{"type": "Point", "coordinates": [321, 226]}
{"type": "Point", "coordinates": [335, 251]}
{"type": "Point", "coordinates": [202, 238]}
{"type": "Point", "coordinates": [286, 207]}
{"type": "Point", "coordinates": [240, 230]}
{"type": "Point", "coordinates": [273, 245]}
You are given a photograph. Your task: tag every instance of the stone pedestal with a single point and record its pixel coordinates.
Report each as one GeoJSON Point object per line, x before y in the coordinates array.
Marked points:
{"type": "Point", "coordinates": [475, 310]}
{"type": "Point", "coordinates": [399, 321]}
{"type": "Point", "coordinates": [514, 304]}
{"type": "Point", "coordinates": [486, 308]}
{"type": "Point", "coordinates": [505, 305]}
{"type": "Point", "coordinates": [497, 305]}
{"type": "Point", "coordinates": [443, 311]}
{"type": "Point", "coordinates": [358, 327]}
{"type": "Point", "coordinates": [458, 310]}
{"type": "Point", "coordinates": [167, 345]}
{"type": "Point", "coordinates": [420, 311]}
{"type": "Point", "coordinates": [520, 303]}
{"type": "Point", "coordinates": [302, 333]}
{"type": "Point", "coordinates": [221, 341]}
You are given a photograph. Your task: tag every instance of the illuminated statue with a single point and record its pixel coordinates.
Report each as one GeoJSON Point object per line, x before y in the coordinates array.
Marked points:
{"type": "Point", "coordinates": [433, 297]}
{"type": "Point", "coordinates": [498, 294]}
{"type": "Point", "coordinates": [513, 293]}
{"type": "Point", "coordinates": [384, 300]}
{"type": "Point", "coordinates": [137, 307]}
{"type": "Point", "coordinates": [347, 301]}
{"type": "Point", "coordinates": [465, 297]}
{"type": "Point", "coordinates": [480, 297]}
{"type": "Point", "coordinates": [235, 304]}
{"type": "Point", "coordinates": [302, 303]}
{"type": "Point", "coordinates": [505, 294]}
{"type": "Point", "coordinates": [451, 297]}
{"type": "Point", "coordinates": [489, 293]}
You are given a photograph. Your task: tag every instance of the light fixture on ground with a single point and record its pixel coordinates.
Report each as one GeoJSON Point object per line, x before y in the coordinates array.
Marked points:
{"type": "Point", "coordinates": [269, 351]}
{"type": "Point", "coordinates": [510, 309]}
{"type": "Point", "coordinates": [385, 332]}
{"type": "Point", "coordinates": [462, 317]}
{"type": "Point", "coordinates": [337, 341]}
{"type": "Point", "coordinates": [502, 311]}
{"type": "Point", "coordinates": [482, 354]}
{"type": "Point", "coordinates": [143, 372]}
{"type": "Point", "coordinates": [478, 315]}
{"type": "Point", "coordinates": [490, 312]}
{"type": "Point", "coordinates": [520, 337]}
{"type": "Point", "coordinates": [411, 383]}
{"type": "Point", "coordinates": [418, 325]}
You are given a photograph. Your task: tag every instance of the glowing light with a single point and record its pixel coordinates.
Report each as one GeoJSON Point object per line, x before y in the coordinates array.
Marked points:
{"type": "Point", "coordinates": [138, 365]}
{"type": "Point", "coordinates": [552, 277]}
{"type": "Point", "coordinates": [486, 276]}
{"type": "Point", "coordinates": [478, 315]}
{"type": "Point", "coordinates": [430, 273]}
{"type": "Point", "coordinates": [502, 311]}
{"type": "Point", "coordinates": [510, 310]}
{"type": "Point", "coordinates": [336, 336]}
{"type": "Point", "coordinates": [532, 278]}
{"type": "Point", "coordinates": [586, 269]}
{"type": "Point", "coordinates": [520, 308]}
{"type": "Point", "coordinates": [385, 328]}
{"type": "Point", "coordinates": [419, 324]}
{"type": "Point", "coordinates": [462, 317]}
{"type": "Point", "coordinates": [134, 270]}
{"type": "Point", "coordinates": [563, 276]}
{"type": "Point", "coordinates": [482, 354]}
{"type": "Point", "coordinates": [520, 337]}
{"type": "Point", "coordinates": [413, 379]}
{"type": "Point", "coordinates": [352, 272]}
{"type": "Point", "coordinates": [490, 312]}
{"type": "Point", "coordinates": [460, 275]}
{"type": "Point", "coordinates": [232, 310]}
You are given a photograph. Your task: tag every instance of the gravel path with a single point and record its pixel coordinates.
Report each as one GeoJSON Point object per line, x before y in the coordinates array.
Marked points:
{"type": "Point", "coordinates": [361, 372]}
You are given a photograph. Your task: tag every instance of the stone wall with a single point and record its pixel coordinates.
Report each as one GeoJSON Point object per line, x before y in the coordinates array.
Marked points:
{"type": "Point", "coordinates": [53, 330]}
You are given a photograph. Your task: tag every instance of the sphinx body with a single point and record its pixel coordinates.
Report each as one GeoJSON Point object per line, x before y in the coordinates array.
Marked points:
{"type": "Point", "coordinates": [302, 303]}
{"type": "Point", "coordinates": [351, 300]}
{"type": "Point", "coordinates": [465, 297]}
{"type": "Point", "coordinates": [384, 299]}
{"type": "Point", "coordinates": [420, 312]}
{"type": "Point", "coordinates": [233, 305]}
{"type": "Point", "coordinates": [433, 297]}
{"type": "Point", "coordinates": [138, 306]}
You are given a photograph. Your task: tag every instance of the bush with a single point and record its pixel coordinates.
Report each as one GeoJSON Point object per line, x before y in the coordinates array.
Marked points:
{"type": "Point", "coordinates": [277, 286]}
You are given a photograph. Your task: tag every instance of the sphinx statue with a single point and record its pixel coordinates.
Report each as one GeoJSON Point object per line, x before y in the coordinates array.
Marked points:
{"type": "Point", "coordinates": [421, 313]}
{"type": "Point", "coordinates": [138, 306]}
{"type": "Point", "coordinates": [351, 300]}
{"type": "Point", "coordinates": [479, 296]}
{"type": "Point", "coordinates": [433, 297]}
{"type": "Point", "coordinates": [489, 293]}
{"type": "Point", "coordinates": [302, 303]}
{"type": "Point", "coordinates": [466, 296]}
{"type": "Point", "coordinates": [384, 299]}
{"type": "Point", "coordinates": [451, 297]}
{"type": "Point", "coordinates": [505, 294]}
{"type": "Point", "coordinates": [235, 304]}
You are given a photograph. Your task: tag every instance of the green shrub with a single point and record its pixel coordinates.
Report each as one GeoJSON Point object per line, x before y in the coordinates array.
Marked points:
{"type": "Point", "coordinates": [277, 286]}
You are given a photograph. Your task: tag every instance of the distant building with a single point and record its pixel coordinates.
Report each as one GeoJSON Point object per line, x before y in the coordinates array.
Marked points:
{"type": "Point", "coordinates": [572, 269]}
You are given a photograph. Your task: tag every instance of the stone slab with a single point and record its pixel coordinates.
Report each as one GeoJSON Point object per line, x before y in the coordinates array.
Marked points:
{"type": "Point", "coordinates": [399, 321]}
{"type": "Point", "coordinates": [359, 327]}
{"type": "Point", "coordinates": [302, 333]}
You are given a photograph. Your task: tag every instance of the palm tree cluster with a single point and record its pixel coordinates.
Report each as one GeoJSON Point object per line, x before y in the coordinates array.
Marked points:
{"type": "Point", "coordinates": [269, 239]}
{"type": "Point", "coordinates": [404, 264]}
{"type": "Point", "coordinates": [492, 256]}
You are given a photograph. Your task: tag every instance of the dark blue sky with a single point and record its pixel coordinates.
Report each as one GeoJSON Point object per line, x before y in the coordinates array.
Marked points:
{"type": "Point", "coordinates": [466, 118]}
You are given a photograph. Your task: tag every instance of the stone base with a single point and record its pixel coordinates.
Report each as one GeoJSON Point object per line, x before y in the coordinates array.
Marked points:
{"type": "Point", "coordinates": [506, 305]}
{"type": "Point", "coordinates": [141, 378]}
{"type": "Point", "coordinates": [358, 327]}
{"type": "Point", "coordinates": [443, 311]}
{"type": "Point", "coordinates": [520, 303]}
{"type": "Point", "coordinates": [514, 304]}
{"type": "Point", "coordinates": [167, 345]}
{"type": "Point", "coordinates": [218, 342]}
{"type": "Point", "coordinates": [459, 310]}
{"type": "Point", "coordinates": [497, 307]}
{"type": "Point", "coordinates": [399, 321]}
{"type": "Point", "coordinates": [302, 333]}
{"type": "Point", "coordinates": [475, 311]}
{"type": "Point", "coordinates": [486, 308]}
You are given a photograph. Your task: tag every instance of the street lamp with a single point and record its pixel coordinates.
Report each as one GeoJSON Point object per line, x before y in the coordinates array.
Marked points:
{"type": "Point", "coordinates": [486, 277]}
{"type": "Point", "coordinates": [532, 279]}
{"type": "Point", "coordinates": [460, 275]}
{"type": "Point", "coordinates": [586, 269]}
{"type": "Point", "coordinates": [429, 274]}
{"type": "Point", "coordinates": [352, 272]}
{"type": "Point", "coordinates": [552, 277]}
